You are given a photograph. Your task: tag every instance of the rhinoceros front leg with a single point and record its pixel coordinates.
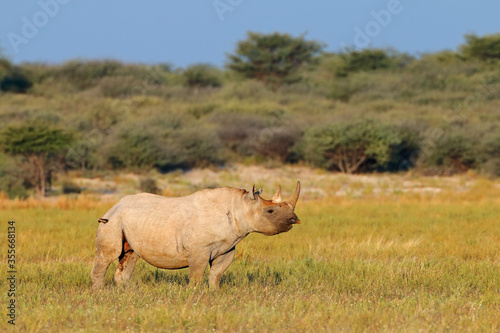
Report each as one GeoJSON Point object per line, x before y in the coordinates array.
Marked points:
{"type": "Point", "coordinates": [99, 271]}
{"type": "Point", "coordinates": [218, 266]}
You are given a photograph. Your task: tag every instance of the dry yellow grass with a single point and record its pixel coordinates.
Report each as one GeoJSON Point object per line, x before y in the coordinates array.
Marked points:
{"type": "Point", "coordinates": [399, 261]}
{"type": "Point", "coordinates": [61, 202]}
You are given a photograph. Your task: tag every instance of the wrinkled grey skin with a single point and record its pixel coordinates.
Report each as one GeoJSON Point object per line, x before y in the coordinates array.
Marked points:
{"type": "Point", "coordinates": [193, 231]}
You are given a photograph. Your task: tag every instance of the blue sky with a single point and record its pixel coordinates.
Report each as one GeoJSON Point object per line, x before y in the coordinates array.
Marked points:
{"type": "Point", "coordinates": [187, 32]}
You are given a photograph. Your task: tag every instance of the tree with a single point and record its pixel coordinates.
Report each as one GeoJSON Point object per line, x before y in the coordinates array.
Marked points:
{"type": "Point", "coordinates": [482, 48]}
{"type": "Point", "coordinates": [39, 145]}
{"type": "Point", "coordinates": [350, 147]}
{"type": "Point", "coordinates": [274, 58]}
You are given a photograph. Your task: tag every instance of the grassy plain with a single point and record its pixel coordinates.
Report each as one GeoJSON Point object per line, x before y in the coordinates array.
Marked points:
{"type": "Point", "coordinates": [395, 261]}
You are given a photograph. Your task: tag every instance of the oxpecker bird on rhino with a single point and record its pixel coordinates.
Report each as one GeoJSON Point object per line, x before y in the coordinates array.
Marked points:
{"type": "Point", "coordinates": [193, 231]}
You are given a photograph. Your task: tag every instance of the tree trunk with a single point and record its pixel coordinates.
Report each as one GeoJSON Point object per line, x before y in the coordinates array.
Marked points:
{"type": "Point", "coordinates": [349, 161]}
{"type": "Point", "coordinates": [39, 170]}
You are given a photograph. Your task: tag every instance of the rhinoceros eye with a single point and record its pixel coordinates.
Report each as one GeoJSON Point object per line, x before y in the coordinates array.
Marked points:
{"type": "Point", "coordinates": [270, 210]}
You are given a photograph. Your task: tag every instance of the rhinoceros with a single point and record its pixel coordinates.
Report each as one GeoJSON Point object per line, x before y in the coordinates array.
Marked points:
{"type": "Point", "coordinates": [193, 231]}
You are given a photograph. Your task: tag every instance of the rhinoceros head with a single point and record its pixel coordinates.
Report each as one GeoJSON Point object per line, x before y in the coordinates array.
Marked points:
{"type": "Point", "coordinates": [271, 217]}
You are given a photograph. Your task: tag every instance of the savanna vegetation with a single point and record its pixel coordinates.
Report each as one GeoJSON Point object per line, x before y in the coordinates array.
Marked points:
{"type": "Point", "coordinates": [280, 99]}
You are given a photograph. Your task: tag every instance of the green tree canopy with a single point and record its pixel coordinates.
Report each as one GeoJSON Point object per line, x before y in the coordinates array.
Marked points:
{"type": "Point", "coordinates": [350, 147]}
{"type": "Point", "coordinates": [273, 58]}
{"type": "Point", "coordinates": [482, 48]}
{"type": "Point", "coordinates": [38, 144]}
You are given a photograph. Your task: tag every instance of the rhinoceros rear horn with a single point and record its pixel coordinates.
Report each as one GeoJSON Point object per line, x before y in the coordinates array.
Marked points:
{"type": "Point", "coordinates": [277, 195]}
{"type": "Point", "coordinates": [295, 196]}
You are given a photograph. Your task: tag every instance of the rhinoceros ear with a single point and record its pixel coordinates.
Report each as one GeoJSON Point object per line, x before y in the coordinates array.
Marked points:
{"type": "Point", "coordinates": [277, 195]}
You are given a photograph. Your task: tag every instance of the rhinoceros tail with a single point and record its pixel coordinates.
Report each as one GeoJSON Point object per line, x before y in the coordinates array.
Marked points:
{"type": "Point", "coordinates": [102, 220]}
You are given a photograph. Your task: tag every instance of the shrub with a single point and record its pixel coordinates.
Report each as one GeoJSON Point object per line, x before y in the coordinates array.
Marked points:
{"type": "Point", "coordinates": [5, 67]}
{"type": "Point", "coordinates": [14, 187]}
{"type": "Point", "coordinates": [103, 115]}
{"type": "Point", "coordinates": [201, 76]}
{"type": "Point", "coordinates": [11, 180]}
{"type": "Point", "coordinates": [238, 131]}
{"type": "Point", "coordinates": [277, 142]}
{"type": "Point", "coordinates": [84, 74]}
{"type": "Point", "coordinates": [491, 147]}
{"type": "Point", "coordinates": [345, 89]}
{"type": "Point", "coordinates": [370, 60]}
{"type": "Point", "coordinates": [351, 147]}
{"type": "Point", "coordinates": [163, 146]}
{"type": "Point", "coordinates": [198, 111]}
{"type": "Point", "coordinates": [149, 185]}
{"type": "Point", "coordinates": [246, 90]}
{"type": "Point", "coordinates": [69, 187]}
{"type": "Point", "coordinates": [454, 152]}
{"type": "Point", "coordinates": [405, 154]}
{"type": "Point", "coordinates": [135, 148]}
{"type": "Point", "coordinates": [364, 60]}
{"type": "Point", "coordinates": [439, 73]}
{"type": "Point", "coordinates": [192, 146]}
{"type": "Point", "coordinates": [82, 153]}
{"type": "Point", "coordinates": [15, 81]}
{"type": "Point", "coordinates": [119, 87]}
{"type": "Point", "coordinates": [492, 143]}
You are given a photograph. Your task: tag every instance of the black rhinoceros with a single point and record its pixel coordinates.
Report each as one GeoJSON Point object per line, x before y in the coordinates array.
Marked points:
{"type": "Point", "coordinates": [192, 231]}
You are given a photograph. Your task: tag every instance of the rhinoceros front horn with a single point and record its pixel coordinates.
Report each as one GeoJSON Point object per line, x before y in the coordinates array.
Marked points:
{"type": "Point", "coordinates": [295, 196]}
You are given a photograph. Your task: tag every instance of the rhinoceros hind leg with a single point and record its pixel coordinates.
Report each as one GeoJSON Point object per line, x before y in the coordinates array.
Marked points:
{"type": "Point", "coordinates": [218, 266]}
{"type": "Point", "coordinates": [125, 267]}
{"type": "Point", "coordinates": [108, 248]}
